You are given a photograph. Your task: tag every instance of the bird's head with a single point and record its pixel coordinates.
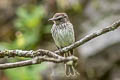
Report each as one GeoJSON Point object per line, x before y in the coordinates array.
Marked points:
{"type": "Point", "coordinates": [59, 18]}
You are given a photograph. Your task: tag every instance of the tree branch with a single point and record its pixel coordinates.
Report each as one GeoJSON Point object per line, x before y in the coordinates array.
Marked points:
{"type": "Point", "coordinates": [89, 37]}
{"type": "Point", "coordinates": [51, 56]}
{"type": "Point", "coordinates": [28, 54]}
{"type": "Point", "coordinates": [36, 60]}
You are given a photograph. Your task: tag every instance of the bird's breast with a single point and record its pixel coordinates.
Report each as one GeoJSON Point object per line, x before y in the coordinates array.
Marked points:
{"type": "Point", "coordinates": [63, 35]}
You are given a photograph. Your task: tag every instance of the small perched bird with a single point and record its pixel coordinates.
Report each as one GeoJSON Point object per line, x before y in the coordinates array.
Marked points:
{"type": "Point", "coordinates": [63, 35]}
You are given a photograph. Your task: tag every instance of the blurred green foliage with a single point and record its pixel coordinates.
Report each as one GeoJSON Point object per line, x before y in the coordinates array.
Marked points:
{"type": "Point", "coordinates": [26, 73]}
{"type": "Point", "coordinates": [29, 28]}
{"type": "Point", "coordinates": [29, 32]}
{"type": "Point", "coordinates": [29, 24]}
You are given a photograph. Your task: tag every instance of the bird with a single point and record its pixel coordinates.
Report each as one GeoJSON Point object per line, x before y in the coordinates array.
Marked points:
{"type": "Point", "coordinates": [63, 35]}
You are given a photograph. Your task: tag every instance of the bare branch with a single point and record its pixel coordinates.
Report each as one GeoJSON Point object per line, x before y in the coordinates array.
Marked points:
{"type": "Point", "coordinates": [29, 54]}
{"type": "Point", "coordinates": [89, 37]}
{"type": "Point", "coordinates": [36, 60]}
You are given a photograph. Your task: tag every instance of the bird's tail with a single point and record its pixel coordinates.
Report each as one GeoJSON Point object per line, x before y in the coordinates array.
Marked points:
{"type": "Point", "coordinates": [69, 68]}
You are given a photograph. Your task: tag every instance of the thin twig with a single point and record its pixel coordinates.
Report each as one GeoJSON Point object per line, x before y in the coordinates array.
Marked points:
{"type": "Point", "coordinates": [29, 54]}
{"type": "Point", "coordinates": [36, 60]}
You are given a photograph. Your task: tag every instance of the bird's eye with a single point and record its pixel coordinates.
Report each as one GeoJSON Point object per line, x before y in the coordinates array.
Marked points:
{"type": "Point", "coordinates": [59, 18]}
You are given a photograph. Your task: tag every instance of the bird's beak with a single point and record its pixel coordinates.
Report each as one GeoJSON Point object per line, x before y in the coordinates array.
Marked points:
{"type": "Point", "coordinates": [52, 19]}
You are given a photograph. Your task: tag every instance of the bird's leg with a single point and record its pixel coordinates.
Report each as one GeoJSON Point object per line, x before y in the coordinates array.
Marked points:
{"type": "Point", "coordinates": [60, 50]}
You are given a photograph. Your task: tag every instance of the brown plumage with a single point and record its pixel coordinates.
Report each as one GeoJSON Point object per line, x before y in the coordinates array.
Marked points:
{"type": "Point", "coordinates": [63, 35]}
